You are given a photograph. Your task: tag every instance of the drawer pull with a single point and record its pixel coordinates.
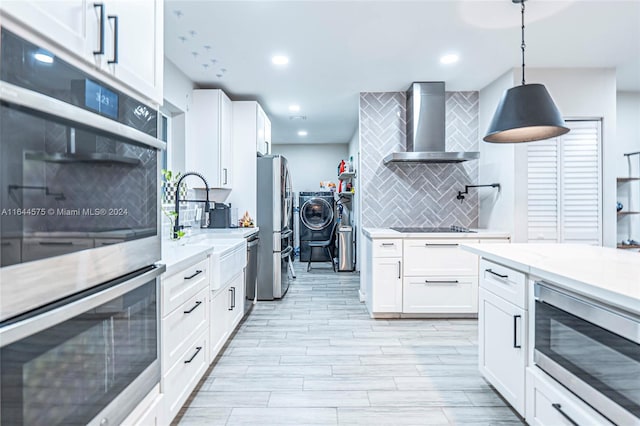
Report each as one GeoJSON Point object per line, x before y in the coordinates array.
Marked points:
{"type": "Point", "coordinates": [441, 281]}
{"type": "Point", "coordinates": [198, 272]}
{"type": "Point", "coordinates": [388, 244]}
{"type": "Point", "coordinates": [497, 274]}
{"type": "Point", "coordinates": [198, 303]}
{"type": "Point", "coordinates": [198, 349]}
{"type": "Point", "coordinates": [565, 415]}
{"type": "Point", "coordinates": [399, 269]}
{"type": "Point", "coordinates": [56, 243]}
{"type": "Point", "coordinates": [441, 245]}
{"type": "Point", "coordinates": [515, 332]}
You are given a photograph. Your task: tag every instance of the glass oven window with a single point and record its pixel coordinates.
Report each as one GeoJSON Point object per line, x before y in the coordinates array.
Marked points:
{"type": "Point", "coordinates": [607, 362]}
{"type": "Point", "coordinates": [68, 373]}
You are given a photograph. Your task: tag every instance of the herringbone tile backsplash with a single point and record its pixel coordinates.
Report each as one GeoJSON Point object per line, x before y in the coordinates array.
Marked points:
{"type": "Point", "coordinates": [416, 194]}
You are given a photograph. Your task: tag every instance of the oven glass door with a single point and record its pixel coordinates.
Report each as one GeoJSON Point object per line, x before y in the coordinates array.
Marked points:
{"type": "Point", "coordinates": [608, 363]}
{"type": "Point", "coordinates": [69, 372]}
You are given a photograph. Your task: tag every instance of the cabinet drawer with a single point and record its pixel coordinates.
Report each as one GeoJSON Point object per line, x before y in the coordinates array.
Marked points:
{"type": "Point", "coordinates": [550, 404]}
{"type": "Point", "coordinates": [180, 327]}
{"type": "Point", "coordinates": [386, 248]}
{"type": "Point", "coordinates": [180, 287]}
{"type": "Point", "coordinates": [457, 294]}
{"type": "Point", "coordinates": [438, 257]}
{"type": "Point", "coordinates": [183, 377]}
{"type": "Point", "coordinates": [505, 282]}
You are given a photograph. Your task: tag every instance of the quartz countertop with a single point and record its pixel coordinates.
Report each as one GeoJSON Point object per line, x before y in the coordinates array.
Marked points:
{"type": "Point", "coordinates": [477, 234]}
{"type": "Point", "coordinates": [602, 273]}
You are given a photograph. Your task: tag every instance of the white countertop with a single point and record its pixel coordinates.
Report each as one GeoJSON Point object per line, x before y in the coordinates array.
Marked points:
{"type": "Point", "coordinates": [176, 255]}
{"type": "Point", "coordinates": [606, 274]}
{"type": "Point", "coordinates": [477, 234]}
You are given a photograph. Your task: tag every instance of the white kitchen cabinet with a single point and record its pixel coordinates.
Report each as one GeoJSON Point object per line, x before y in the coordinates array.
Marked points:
{"type": "Point", "coordinates": [503, 281]}
{"type": "Point", "coordinates": [227, 310]}
{"type": "Point", "coordinates": [130, 52]}
{"type": "Point", "coordinates": [208, 146]}
{"type": "Point", "coordinates": [252, 126]}
{"type": "Point", "coordinates": [267, 135]}
{"type": "Point", "coordinates": [438, 257]}
{"type": "Point", "coordinates": [550, 404]}
{"type": "Point", "coordinates": [386, 248]}
{"type": "Point", "coordinates": [386, 279]}
{"type": "Point", "coordinates": [502, 347]}
{"type": "Point", "coordinates": [236, 309]}
{"type": "Point", "coordinates": [440, 295]}
{"type": "Point", "coordinates": [148, 412]}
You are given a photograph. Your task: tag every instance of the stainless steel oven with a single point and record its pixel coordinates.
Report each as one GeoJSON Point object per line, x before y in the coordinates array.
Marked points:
{"type": "Point", "coordinates": [591, 348]}
{"type": "Point", "coordinates": [88, 359]}
{"type": "Point", "coordinates": [78, 177]}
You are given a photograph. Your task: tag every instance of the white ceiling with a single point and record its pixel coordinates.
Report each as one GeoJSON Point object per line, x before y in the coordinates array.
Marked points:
{"type": "Point", "coordinates": [340, 48]}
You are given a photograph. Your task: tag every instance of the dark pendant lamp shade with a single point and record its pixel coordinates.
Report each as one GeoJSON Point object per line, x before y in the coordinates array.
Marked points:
{"type": "Point", "coordinates": [525, 114]}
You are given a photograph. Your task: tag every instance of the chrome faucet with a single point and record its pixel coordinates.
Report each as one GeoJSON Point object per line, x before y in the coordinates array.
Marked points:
{"type": "Point", "coordinates": [176, 226]}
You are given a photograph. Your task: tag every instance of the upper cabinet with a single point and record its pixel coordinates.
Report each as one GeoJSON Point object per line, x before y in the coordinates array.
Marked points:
{"type": "Point", "coordinates": [122, 39]}
{"type": "Point", "coordinates": [267, 135]}
{"type": "Point", "coordinates": [263, 139]}
{"type": "Point", "coordinates": [252, 126]}
{"type": "Point", "coordinates": [208, 146]}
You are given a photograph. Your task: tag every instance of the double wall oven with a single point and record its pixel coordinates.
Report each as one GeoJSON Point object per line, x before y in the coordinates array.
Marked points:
{"type": "Point", "coordinates": [592, 349]}
{"type": "Point", "coordinates": [80, 238]}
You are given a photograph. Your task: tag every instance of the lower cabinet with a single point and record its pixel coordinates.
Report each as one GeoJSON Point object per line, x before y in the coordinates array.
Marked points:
{"type": "Point", "coordinates": [149, 412]}
{"type": "Point", "coordinates": [386, 286]}
{"type": "Point", "coordinates": [550, 404]}
{"type": "Point", "coordinates": [440, 295]}
{"type": "Point", "coordinates": [502, 347]}
{"type": "Point", "coordinates": [227, 310]}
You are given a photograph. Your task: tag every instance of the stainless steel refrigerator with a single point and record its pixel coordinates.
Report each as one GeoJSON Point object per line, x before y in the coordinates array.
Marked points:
{"type": "Point", "coordinates": [275, 205]}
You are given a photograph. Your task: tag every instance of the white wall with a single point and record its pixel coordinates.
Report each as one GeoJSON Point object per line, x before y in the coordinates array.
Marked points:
{"type": "Point", "coordinates": [311, 163]}
{"type": "Point", "coordinates": [628, 140]}
{"type": "Point", "coordinates": [578, 93]}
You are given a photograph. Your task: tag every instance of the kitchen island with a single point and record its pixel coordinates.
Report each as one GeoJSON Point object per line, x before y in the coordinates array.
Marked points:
{"type": "Point", "coordinates": [559, 331]}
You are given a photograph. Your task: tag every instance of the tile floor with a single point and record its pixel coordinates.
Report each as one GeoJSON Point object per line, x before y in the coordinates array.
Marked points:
{"type": "Point", "coordinates": [315, 357]}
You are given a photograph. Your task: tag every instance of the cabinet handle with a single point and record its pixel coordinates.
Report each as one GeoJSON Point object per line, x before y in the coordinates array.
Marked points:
{"type": "Point", "coordinates": [515, 332]}
{"type": "Point", "coordinates": [198, 272]}
{"type": "Point", "coordinates": [115, 39]}
{"type": "Point", "coordinates": [225, 176]}
{"type": "Point", "coordinates": [100, 50]}
{"type": "Point", "coordinates": [388, 244]}
{"type": "Point", "coordinates": [233, 293]}
{"type": "Point", "coordinates": [440, 245]}
{"type": "Point", "coordinates": [565, 415]}
{"type": "Point", "coordinates": [230, 300]}
{"type": "Point", "coordinates": [55, 243]}
{"type": "Point", "coordinates": [198, 303]}
{"type": "Point", "coordinates": [441, 281]}
{"type": "Point", "coordinates": [399, 269]}
{"type": "Point", "coordinates": [198, 349]}
{"type": "Point", "coordinates": [496, 274]}
{"type": "Point", "coordinates": [266, 147]}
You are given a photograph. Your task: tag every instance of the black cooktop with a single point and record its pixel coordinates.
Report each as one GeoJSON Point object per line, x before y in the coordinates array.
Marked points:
{"type": "Point", "coordinates": [432, 230]}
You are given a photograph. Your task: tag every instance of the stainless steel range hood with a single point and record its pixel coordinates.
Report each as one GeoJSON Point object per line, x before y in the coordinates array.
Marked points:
{"type": "Point", "coordinates": [426, 128]}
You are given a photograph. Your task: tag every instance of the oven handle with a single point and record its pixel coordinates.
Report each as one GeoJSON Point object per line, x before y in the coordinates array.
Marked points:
{"type": "Point", "coordinates": [565, 415]}
{"type": "Point", "coordinates": [27, 327]}
{"type": "Point", "coordinates": [36, 101]}
{"type": "Point", "coordinates": [608, 317]}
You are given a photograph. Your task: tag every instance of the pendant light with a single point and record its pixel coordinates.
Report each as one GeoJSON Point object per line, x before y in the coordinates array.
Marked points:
{"type": "Point", "coordinates": [525, 113]}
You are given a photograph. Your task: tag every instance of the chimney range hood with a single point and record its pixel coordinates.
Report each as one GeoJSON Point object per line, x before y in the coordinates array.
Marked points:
{"type": "Point", "coordinates": [426, 128]}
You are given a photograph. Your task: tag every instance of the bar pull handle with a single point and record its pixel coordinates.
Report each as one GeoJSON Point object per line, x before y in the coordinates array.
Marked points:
{"type": "Point", "coordinates": [198, 303]}
{"type": "Point", "coordinates": [266, 149]}
{"type": "Point", "coordinates": [399, 269]}
{"type": "Point", "coordinates": [441, 245]}
{"type": "Point", "coordinates": [388, 244]}
{"type": "Point", "coordinates": [198, 349]}
{"type": "Point", "coordinates": [100, 50]}
{"type": "Point", "coordinates": [198, 272]}
{"type": "Point", "coordinates": [565, 415]}
{"type": "Point", "coordinates": [55, 243]}
{"type": "Point", "coordinates": [515, 332]}
{"type": "Point", "coordinates": [114, 18]}
{"type": "Point", "coordinates": [496, 274]}
{"type": "Point", "coordinates": [230, 300]}
{"type": "Point", "coordinates": [233, 297]}
{"type": "Point", "coordinates": [441, 281]}
{"type": "Point", "coordinates": [225, 176]}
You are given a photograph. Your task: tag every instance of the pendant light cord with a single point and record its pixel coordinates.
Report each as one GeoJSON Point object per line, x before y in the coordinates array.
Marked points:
{"type": "Point", "coordinates": [523, 45]}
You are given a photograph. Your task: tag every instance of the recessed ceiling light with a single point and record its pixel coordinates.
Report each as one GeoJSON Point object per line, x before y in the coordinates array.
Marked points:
{"type": "Point", "coordinates": [451, 58]}
{"type": "Point", "coordinates": [294, 108]}
{"type": "Point", "coordinates": [43, 57]}
{"type": "Point", "coordinates": [302, 133]}
{"type": "Point", "coordinates": [280, 60]}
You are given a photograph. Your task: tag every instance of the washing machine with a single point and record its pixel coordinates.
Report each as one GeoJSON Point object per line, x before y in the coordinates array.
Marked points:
{"type": "Point", "coordinates": [317, 215]}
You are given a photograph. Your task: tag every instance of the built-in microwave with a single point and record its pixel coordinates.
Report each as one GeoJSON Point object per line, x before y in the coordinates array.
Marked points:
{"type": "Point", "coordinates": [591, 348]}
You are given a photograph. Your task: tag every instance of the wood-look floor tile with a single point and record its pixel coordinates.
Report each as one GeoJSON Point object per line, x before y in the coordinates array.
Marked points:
{"type": "Point", "coordinates": [391, 416]}
{"type": "Point", "coordinates": [282, 416]}
{"type": "Point", "coordinates": [330, 398]}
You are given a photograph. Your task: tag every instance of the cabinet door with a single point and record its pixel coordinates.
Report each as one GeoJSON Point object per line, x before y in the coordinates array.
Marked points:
{"type": "Point", "coordinates": [440, 295]}
{"type": "Point", "coordinates": [438, 257]}
{"type": "Point", "coordinates": [226, 141]}
{"type": "Point", "coordinates": [387, 285]}
{"type": "Point", "coordinates": [502, 347]}
{"type": "Point", "coordinates": [218, 322]}
{"type": "Point", "coordinates": [261, 118]}
{"type": "Point", "coordinates": [140, 45]}
{"type": "Point", "coordinates": [202, 143]}
{"type": "Point", "coordinates": [72, 23]}
{"type": "Point", "coordinates": [267, 135]}
{"type": "Point", "coordinates": [237, 301]}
